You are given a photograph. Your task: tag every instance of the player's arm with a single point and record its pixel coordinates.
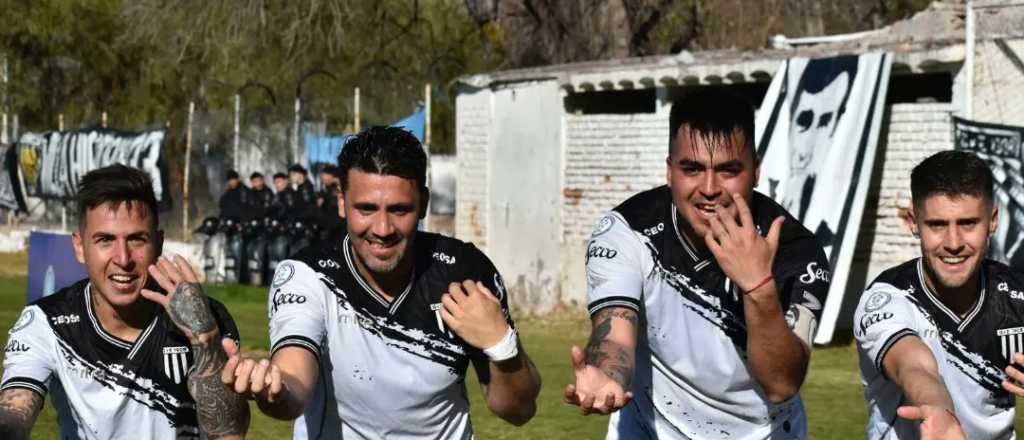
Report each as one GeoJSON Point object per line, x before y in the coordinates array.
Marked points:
{"type": "Point", "coordinates": [476, 315]}
{"type": "Point", "coordinates": [222, 414]}
{"type": "Point", "coordinates": [911, 365]}
{"type": "Point", "coordinates": [604, 371]}
{"type": "Point", "coordinates": [19, 408]}
{"type": "Point", "coordinates": [777, 358]}
{"type": "Point", "coordinates": [282, 386]}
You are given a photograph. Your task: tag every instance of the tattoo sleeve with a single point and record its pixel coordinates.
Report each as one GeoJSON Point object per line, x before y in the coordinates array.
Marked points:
{"type": "Point", "coordinates": [221, 411]}
{"type": "Point", "coordinates": [610, 356]}
{"type": "Point", "coordinates": [18, 410]}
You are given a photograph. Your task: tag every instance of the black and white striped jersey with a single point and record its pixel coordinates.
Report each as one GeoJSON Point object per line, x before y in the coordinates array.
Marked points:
{"type": "Point", "coordinates": [389, 370]}
{"type": "Point", "coordinates": [104, 387]}
{"type": "Point", "coordinates": [692, 379]}
{"type": "Point", "coordinates": [972, 352]}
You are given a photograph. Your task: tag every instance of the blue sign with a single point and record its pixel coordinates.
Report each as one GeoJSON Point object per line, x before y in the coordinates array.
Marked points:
{"type": "Point", "coordinates": [51, 264]}
{"type": "Point", "coordinates": [325, 149]}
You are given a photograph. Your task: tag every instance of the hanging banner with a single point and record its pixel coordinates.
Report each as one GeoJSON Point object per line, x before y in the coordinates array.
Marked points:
{"type": "Point", "coordinates": [1000, 147]}
{"type": "Point", "coordinates": [325, 149]}
{"type": "Point", "coordinates": [817, 132]}
{"type": "Point", "coordinates": [10, 188]}
{"type": "Point", "coordinates": [54, 162]}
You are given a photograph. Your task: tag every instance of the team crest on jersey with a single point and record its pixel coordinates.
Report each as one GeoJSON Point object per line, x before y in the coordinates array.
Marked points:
{"type": "Point", "coordinates": [604, 226]}
{"type": "Point", "coordinates": [1011, 340]}
{"type": "Point", "coordinates": [176, 363]}
{"type": "Point", "coordinates": [284, 273]}
{"type": "Point", "coordinates": [23, 321]}
{"type": "Point", "coordinates": [876, 301]}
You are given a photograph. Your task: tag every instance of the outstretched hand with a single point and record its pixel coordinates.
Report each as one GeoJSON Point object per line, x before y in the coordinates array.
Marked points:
{"type": "Point", "coordinates": [594, 391]}
{"type": "Point", "coordinates": [744, 255]}
{"type": "Point", "coordinates": [185, 301]}
{"type": "Point", "coordinates": [936, 423]}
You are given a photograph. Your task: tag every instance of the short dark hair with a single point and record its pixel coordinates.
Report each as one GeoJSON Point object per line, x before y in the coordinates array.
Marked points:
{"type": "Point", "coordinates": [391, 151]}
{"type": "Point", "coordinates": [255, 174]}
{"type": "Point", "coordinates": [715, 113]}
{"type": "Point", "coordinates": [232, 174]}
{"type": "Point", "coordinates": [115, 184]}
{"type": "Point", "coordinates": [296, 168]}
{"type": "Point", "coordinates": [280, 175]}
{"type": "Point", "coordinates": [819, 73]}
{"type": "Point", "coordinates": [952, 173]}
{"type": "Point", "coordinates": [331, 169]}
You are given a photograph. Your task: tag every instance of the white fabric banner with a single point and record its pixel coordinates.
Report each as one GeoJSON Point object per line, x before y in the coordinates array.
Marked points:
{"type": "Point", "coordinates": [817, 132]}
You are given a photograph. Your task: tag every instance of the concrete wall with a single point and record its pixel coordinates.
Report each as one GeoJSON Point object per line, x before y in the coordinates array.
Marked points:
{"type": "Point", "coordinates": [524, 192]}
{"type": "Point", "coordinates": [473, 127]}
{"type": "Point", "coordinates": [999, 82]}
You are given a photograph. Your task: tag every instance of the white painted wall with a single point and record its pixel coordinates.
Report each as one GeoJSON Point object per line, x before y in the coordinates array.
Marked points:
{"type": "Point", "coordinates": [472, 141]}
{"type": "Point", "coordinates": [524, 200]}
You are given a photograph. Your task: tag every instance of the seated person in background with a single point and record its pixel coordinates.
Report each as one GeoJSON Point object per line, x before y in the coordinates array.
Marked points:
{"type": "Point", "coordinates": [938, 336]}
{"type": "Point", "coordinates": [119, 359]}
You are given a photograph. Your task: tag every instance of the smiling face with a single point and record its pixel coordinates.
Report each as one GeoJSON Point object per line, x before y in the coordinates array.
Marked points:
{"type": "Point", "coordinates": [704, 173]}
{"type": "Point", "coordinates": [382, 212]}
{"type": "Point", "coordinates": [117, 245]}
{"type": "Point", "coordinates": [954, 234]}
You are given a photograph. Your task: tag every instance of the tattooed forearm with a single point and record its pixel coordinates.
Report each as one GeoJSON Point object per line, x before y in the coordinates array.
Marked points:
{"type": "Point", "coordinates": [221, 411]}
{"type": "Point", "coordinates": [611, 357]}
{"type": "Point", "coordinates": [189, 309]}
{"type": "Point", "coordinates": [18, 410]}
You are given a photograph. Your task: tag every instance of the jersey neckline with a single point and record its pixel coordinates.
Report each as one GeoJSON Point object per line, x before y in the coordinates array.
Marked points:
{"type": "Point", "coordinates": [133, 348]}
{"type": "Point", "coordinates": [391, 306]}
{"type": "Point", "coordinates": [961, 323]}
{"type": "Point", "coordinates": [700, 261]}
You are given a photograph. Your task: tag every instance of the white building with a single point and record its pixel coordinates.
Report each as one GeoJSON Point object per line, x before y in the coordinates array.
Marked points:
{"type": "Point", "coordinates": [543, 153]}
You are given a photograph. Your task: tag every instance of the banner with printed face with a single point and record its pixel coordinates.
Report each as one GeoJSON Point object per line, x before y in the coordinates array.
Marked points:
{"type": "Point", "coordinates": [54, 162]}
{"type": "Point", "coordinates": [816, 133]}
{"type": "Point", "coordinates": [1000, 147]}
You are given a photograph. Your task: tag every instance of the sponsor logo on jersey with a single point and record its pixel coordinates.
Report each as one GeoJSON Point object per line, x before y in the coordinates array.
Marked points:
{"type": "Point", "coordinates": [284, 273]}
{"type": "Point", "coordinates": [327, 264]}
{"type": "Point", "coordinates": [15, 346]}
{"type": "Point", "coordinates": [176, 363]}
{"type": "Point", "coordinates": [876, 301]}
{"type": "Point", "coordinates": [1014, 294]}
{"type": "Point", "coordinates": [606, 223]}
{"type": "Point", "coordinates": [1011, 340]}
{"type": "Point", "coordinates": [65, 319]}
{"type": "Point", "coordinates": [871, 319]}
{"type": "Point", "coordinates": [444, 258]}
{"type": "Point", "coordinates": [601, 252]}
{"type": "Point", "coordinates": [815, 273]}
{"type": "Point", "coordinates": [499, 284]}
{"type": "Point", "coordinates": [26, 318]}
{"type": "Point", "coordinates": [282, 298]}
{"type": "Point", "coordinates": [654, 230]}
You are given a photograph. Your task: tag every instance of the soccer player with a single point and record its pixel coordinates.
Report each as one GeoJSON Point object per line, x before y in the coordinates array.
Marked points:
{"type": "Point", "coordinates": [704, 295]}
{"type": "Point", "coordinates": [120, 358]}
{"type": "Point", "coordinates": [939, 336]}
{"type": "Point", "coordinates": [371, 335]}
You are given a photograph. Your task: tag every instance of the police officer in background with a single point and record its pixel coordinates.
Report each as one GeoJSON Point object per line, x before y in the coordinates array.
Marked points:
{"type": "Point", "coordinates": [284, 198]}
{"type": "Point", "coordinates": [305, 195]}
{"type": "Point", "coordinates": [331, 223]}
{"type": "Point", "coordinates": [235, 201]}
{"type": "Point", "coordinates": [262, 197]}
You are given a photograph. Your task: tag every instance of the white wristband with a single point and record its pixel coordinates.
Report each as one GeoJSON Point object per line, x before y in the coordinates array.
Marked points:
{"type": "Point", "coordinates": [505, 349]}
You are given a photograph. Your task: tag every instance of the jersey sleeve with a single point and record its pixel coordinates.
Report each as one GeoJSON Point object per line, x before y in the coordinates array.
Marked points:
{"type": "Point", "coordinates": [616, 264]}
{"type": "Point", "coordinates": [803, 279]}
{"type": "Point", "coordinates": [29, 357]}
{"type": "Point", "coordinates": [883, 316]}
{"type": "Point", "coordinates": [482, 269]}
{"type": "Point", "coordinates": [225, 322]}
{"type": "Point", "coordinates": [296, 308]}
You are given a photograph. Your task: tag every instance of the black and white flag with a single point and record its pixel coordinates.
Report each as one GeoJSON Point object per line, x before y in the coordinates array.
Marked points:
{"type": "Point", "coordinates": [817, 132]}
{"type": "Point", "coordinates": [10, 187]}
{"type": "Point", "coordinates": [1000, 147]}
{"type": "Point", "coordinates": [54, 162]}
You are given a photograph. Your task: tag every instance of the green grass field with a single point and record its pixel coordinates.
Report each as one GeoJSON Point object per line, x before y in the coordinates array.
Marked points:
{"type": "Point", "coordinates": [832, 393]}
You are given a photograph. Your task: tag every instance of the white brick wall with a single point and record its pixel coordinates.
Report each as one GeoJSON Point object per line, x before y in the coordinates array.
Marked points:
{"type": "Point", "coordinates": [608, 159]}
{"type": "Point", "coordinates": [915, 131]}
{"type": "Point", "coordinates": [472, 141]}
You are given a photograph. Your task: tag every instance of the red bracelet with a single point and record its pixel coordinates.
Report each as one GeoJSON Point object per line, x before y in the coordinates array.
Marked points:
{"type": "Point", "coordinates": [759, 285]}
